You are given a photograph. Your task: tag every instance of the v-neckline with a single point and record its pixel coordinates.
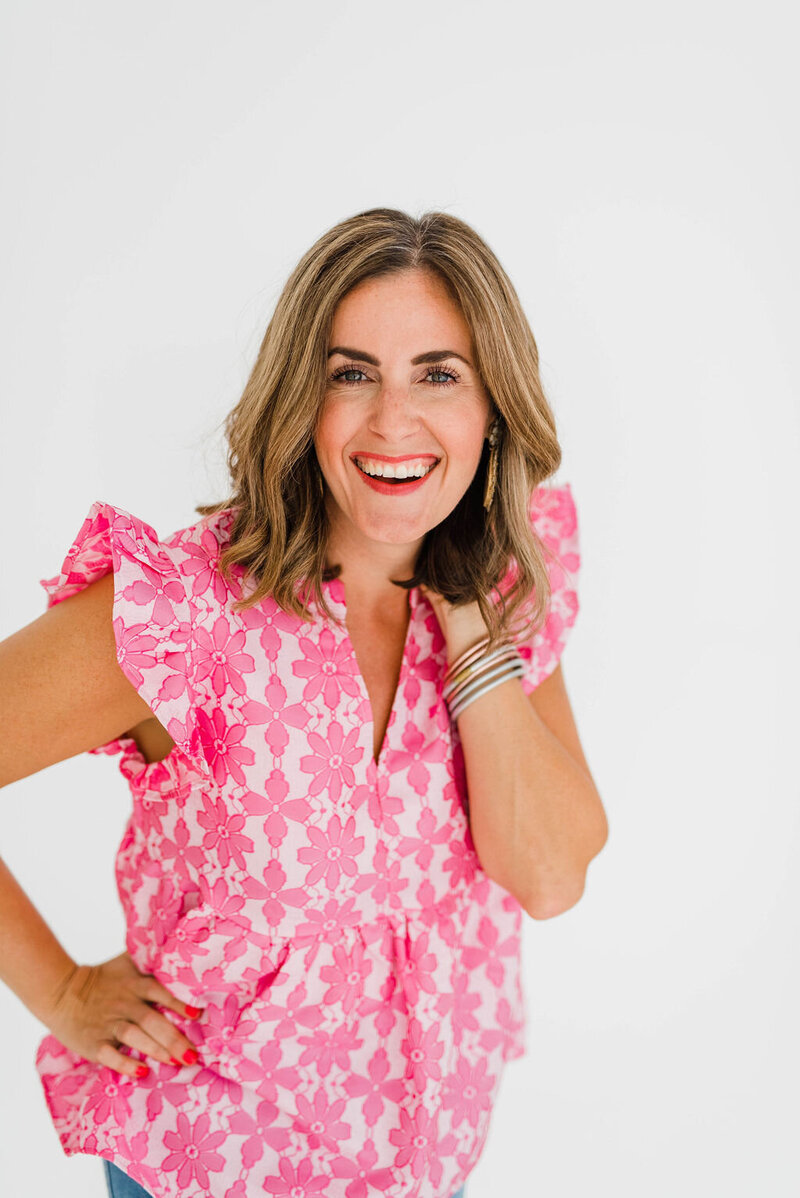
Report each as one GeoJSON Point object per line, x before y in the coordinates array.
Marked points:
{"type": "Point", "coordinates": [336, 592]}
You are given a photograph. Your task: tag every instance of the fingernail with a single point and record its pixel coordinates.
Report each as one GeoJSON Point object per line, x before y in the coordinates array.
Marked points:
{"type": "Point", "coordinates": [172, 1061]}
{"type": "Point", "coordinates": [193, 1012]}
{"type": "Point", "coordinates": [142, 1070]}
{"type": "Point", "coordinates": [190, 1056]}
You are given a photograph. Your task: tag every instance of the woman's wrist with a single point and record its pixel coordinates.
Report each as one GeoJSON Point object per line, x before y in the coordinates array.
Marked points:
{"type": "Point", "coordinates": [462, 627]}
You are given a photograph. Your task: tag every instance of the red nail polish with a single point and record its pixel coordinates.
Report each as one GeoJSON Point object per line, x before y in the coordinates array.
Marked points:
{"type": "Point", "coordinates": [193, 1012]}
{"type": "Point", "coordinates": [190, 1056]}
{"type": "Point", "coordinates": [142, 1070]}
{"type": "Point", "coordinates": [172, 1061]}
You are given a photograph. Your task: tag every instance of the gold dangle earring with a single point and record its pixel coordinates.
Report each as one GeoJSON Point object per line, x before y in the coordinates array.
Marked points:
{"type": "Point", "coordinates": [491, 469]}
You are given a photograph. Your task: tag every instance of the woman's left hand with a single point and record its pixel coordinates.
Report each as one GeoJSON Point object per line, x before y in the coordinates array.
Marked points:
{"type": "Point", "coordinates": [461, 626]}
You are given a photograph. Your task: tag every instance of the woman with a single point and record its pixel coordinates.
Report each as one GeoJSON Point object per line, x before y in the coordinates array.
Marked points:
{"type": "Point", "coordinates": [339, 706]}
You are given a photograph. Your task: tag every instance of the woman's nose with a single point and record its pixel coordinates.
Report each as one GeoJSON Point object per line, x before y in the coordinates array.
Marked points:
{"type": "Point", "coordinates": [394, 413]}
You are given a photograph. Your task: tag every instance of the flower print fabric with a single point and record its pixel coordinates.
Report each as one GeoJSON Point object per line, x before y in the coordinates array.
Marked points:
{"type": "Point", "coordinates": [359, 972]}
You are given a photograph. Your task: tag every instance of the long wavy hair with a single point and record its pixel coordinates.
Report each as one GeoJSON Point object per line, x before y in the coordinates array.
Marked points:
{"type": "Point", "coordinates": [279, 530]}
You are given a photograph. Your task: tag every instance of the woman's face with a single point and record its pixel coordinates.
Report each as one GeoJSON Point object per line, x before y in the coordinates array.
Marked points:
{"type": "Point", "coordinates": [402, 393]}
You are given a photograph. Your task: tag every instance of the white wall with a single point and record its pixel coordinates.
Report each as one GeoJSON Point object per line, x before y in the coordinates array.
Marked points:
{"type": "Point", "coordinates": [635, 169]}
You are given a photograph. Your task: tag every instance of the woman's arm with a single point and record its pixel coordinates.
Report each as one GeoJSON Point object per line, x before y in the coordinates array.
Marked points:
{"type": "Point", "coordinates": [32, 961]}
{"type": "Point", "coordinates": [536, 817]}
{"type": "Point", "coordinates": [62, 692]}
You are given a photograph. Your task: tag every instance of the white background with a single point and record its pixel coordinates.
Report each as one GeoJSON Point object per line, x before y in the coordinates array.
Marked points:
{"type": "Point", "coordinates": [634, 167]}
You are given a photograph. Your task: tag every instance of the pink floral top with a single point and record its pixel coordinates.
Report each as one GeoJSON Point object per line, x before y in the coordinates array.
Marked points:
{"type": "Point", "coordinates": [359, 972]}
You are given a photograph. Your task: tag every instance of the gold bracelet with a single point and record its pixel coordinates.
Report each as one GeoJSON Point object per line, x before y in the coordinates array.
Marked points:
{"type": "Point", "coordinates": [466, 657]}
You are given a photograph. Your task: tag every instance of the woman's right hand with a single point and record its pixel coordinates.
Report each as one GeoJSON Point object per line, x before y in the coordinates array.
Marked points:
{"type": "Point", "coordinates": [102, 1006]}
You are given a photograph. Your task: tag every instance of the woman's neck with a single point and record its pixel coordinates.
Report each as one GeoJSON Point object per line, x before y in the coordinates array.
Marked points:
{"type": "Point", "coordinates": [367, 570]}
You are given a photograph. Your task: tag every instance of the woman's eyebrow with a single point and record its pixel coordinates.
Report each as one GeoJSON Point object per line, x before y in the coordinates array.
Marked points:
{"type": "Point", "coordinates": [433, 355]}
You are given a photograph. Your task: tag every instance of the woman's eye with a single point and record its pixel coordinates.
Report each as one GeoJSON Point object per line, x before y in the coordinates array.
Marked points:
{"type": "Point", "coordinates": [437, 375]}
{"type": "Point", "coordinates": [341, 374]}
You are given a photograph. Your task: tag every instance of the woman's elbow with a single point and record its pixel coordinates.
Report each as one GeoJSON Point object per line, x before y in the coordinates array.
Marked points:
{"type": "Point", "coordinates": [557, 900]}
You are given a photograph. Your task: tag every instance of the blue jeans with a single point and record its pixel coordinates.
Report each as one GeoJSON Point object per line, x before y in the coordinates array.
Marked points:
{"type": "Point", "coordinates": [121, 1186]}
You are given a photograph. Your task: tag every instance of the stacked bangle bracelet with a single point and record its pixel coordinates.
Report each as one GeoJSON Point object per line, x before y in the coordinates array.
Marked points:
{"type": "Point", "coordinates": [477, 671]}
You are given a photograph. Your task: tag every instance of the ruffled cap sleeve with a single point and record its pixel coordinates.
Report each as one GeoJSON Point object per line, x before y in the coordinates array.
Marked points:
{"type": "Point", "coordinates": [152, 615]}
{"type": "Point", "coordinates": [554, 518]}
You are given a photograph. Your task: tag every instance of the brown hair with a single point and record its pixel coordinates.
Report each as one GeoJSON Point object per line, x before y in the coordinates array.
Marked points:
{"type": "Point", "coordinates": [279, 529]}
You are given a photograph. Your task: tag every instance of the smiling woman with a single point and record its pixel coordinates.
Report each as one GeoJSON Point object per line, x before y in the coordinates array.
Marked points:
{"type": "Point", "coordinates": [367, 771]}
{"type": "Point", "coordinates": [392, 408]}
{"type": "Point", "coordinates": [354, 347]}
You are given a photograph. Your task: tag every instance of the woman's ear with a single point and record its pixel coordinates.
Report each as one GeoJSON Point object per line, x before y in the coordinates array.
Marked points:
{"type": "Point", "coordinates": [492, 418]}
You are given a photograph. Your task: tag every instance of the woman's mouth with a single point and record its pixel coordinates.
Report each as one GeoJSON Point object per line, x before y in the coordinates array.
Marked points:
{"type": "Point", "coordinates": [395, 478]}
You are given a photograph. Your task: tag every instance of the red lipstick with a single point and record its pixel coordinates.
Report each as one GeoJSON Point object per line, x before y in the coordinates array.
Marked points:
{"type": "Point", "coordinates": [404, 457]}
{"type": "Point", "coordinates": [402, 486]}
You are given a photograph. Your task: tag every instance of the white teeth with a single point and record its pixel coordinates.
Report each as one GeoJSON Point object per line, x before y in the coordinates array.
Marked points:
{"type": "Point", "coordinates": [403, 470]}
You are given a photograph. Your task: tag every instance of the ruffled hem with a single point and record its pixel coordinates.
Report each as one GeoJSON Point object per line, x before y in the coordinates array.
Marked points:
{"type": "Point", "coordinates": [428, 1030]}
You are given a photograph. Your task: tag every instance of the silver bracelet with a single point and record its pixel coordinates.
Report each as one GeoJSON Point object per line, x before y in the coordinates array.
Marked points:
{"type": "Point", "coordinates": [478, 665]}
{"type": "Point", "coordinates": [486, 682]}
